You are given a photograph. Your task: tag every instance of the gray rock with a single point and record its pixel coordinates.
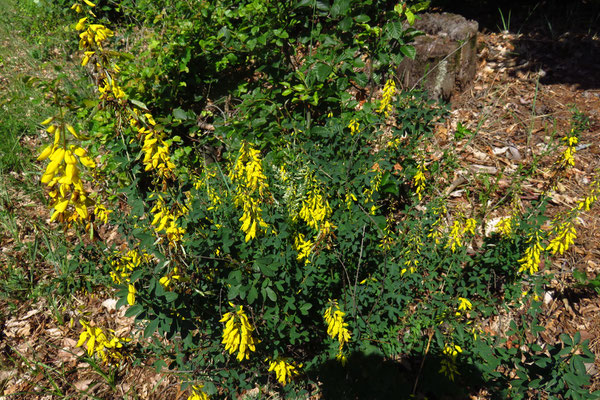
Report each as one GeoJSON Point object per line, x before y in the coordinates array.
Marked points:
{"type": "Point", "coordinates": [446, 59]}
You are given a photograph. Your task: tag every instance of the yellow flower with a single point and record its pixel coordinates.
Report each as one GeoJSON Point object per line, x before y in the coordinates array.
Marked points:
{"type": "Point", "coordinates": [531, 260]}
{"type": "Point", "coordinates": [354, 126]}
{"type": "Point", "coordinates": [304, 248]}
{"type": "Point", "coordinates": [336, 327]}
{"type": "Point", "coordinates": [131, 294]}
{"type": "Point", "coordinates": [464, 304]}
{"type": "Point", "coordinates": [237, 335]}
{"type": "Point", "coordinates": [106, 345]}
{"type": "Point", "coordinates": [284, 370]}
{"type": "Point", "coordinates": [448, 363]}
{"type": "Point", "coordinates": [565, 236]}
{"type": "Point", "coordinates": [197, 393]}
{"type": "Point", "coordinates": [419, 180]}
{"type": "Point", "coordinates": [389, 90]}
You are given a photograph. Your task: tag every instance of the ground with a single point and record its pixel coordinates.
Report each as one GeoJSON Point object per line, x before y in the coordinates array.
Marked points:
{"type": "Point", "coordinates": [527, 85]}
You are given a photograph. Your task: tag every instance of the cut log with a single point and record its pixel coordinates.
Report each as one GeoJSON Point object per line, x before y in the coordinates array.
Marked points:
{"type": "Point", "coordinates": [446, 59]}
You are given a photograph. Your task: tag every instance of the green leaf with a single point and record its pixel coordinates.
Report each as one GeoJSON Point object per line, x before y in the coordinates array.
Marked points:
{"type": "Point", "coordinates": [171, 296]}
{"type": "Point", "coordinates": [266, 266]}
{"type": "Point", "coordinates": [322, 71]}
{"type": "Point", "coordinates": [408, 51]}
{"type": "Point", "coordinates": [271, 294]}
{"type": "Point", "coordinates": [139, 104]}
{"type": "Point", "coordinates": [151, 327]}
{"type": "Point", "coordinates": [134, 310]}
{"type": "Point", "coordinates": [252, 295]}
{"type": "Point", "coordinates": [339, 8]}
{"type": "Point", "coordinates": [394, 30]}
{"type": "Point", "coordinates": [178, 113]}
{"type": "Point", "coordinates": [362, 18]}
{"type": "Point", "coordinates": [305, 307]}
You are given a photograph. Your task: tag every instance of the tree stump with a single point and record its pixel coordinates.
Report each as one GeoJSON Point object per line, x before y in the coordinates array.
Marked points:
{"type": "Point", "coordinates": [446, 59]}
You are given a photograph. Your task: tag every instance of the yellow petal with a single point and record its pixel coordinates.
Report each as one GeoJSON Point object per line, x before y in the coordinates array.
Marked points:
{"type": "Point", "coordinates": [47, 120]}
{"type": "Point", "coordinates": [61, 206]}
{"type": "Point", "coordinates": [70, 158]}
{"type": "Point", "coordinates": [89, 3]}
{"type": "Point", "coordinates": [45, 153]}
{"type": "Point", "coordinates": [81, 210]}
{"type": "Point", "coordinates": [72, 130]}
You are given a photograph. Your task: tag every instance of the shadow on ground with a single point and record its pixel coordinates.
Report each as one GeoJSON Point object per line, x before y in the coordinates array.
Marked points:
{"type": "Point", "coordinates": [373, 377]}
{"type": "Point", "coordinates": [561, 38]}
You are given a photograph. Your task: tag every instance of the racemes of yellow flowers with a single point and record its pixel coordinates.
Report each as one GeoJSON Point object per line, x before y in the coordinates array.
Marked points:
{"type": "Point", "coordinates": [237, 335]}
{"type": "Point", "coordinates": [250, 191]}
{"type": "Point", "coordinates": [69, 199]}
{"type": "Point", "coordinates": [337, 328]}
{"type": "Point", "coordinates": [105, 344]}
{"type": "Point", "coordinates": [284, 370]}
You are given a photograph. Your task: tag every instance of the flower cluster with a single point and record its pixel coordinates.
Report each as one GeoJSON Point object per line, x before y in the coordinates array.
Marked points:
{"type": "Point", "coordinates": [315, 209]}
{"type": "Point", "coordinates": [505, 226]}
{"type": "Point", "coordinates": [463, 305]}
{"type": "Point", "coordinates": [69, 199]}
{"type": "Point", "coordinates": [251, 189]}
{"type": "Point", "coordinates": [284, 369]}
{"type": "Point", "coordinates": [337, 328]}
{"type": "Point", "coordinates": [389, 90]}
{"type": "Point", "coordinates": [448, 363]}
{"type": "Point", "coordinates": [412, 253]}
{"type": "Point", "coordinates": [354, 126]}
{"type": "Point", "coordinates": [304, 248]}
{"type": "Point", "coordinates": [237, 335]}
{"type": "Point", "coordinates": [198, 393]}
{"type": "Point", "coordinates": [565, 235]}
{"type": "Point", "coordinates": [123, 265]}
{"type": "Point", "coordinates": [108, 346]}
{"type": "Point", "coordinates": [204, 183]}
{"type": "Point", "coordinates": [458, 231]}
{"type": "Point", "coordinates": [419, 180]}
{"type": "Point", "coordinates": [93, 35]}
{"type": "Point", "coordinates": [373, 188]}
{"type": "Point", "coordinates": [571, 141]}
{"type": "Point", "coordinates": [165, 220]}
{"type": "Point", "coordinates": [156, 150]}
{"type": "Point", "coordinates": [531, 260]}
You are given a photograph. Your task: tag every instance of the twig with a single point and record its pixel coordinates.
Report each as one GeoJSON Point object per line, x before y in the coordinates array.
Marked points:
{"type": "Point", "coordinates": [422, 362]}
{"type": "Point", "coordinates": [362, 241]}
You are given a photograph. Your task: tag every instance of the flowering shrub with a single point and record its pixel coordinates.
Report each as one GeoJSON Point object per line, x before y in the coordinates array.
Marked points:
{"type": "Point", "coordinates": [252, 188]}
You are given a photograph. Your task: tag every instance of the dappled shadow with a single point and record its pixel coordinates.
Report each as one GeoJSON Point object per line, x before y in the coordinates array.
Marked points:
{"type": "Point", "coordinates": [559, 39]}
{"type": "Point", "coordinates": [370, 376]}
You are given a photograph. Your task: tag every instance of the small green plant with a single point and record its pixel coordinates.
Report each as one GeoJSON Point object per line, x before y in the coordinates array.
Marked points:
{"type": "Point", "coordinates": [505, 21]}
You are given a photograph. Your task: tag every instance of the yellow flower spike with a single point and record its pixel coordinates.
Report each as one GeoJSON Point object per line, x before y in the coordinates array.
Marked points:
{"type": "Point", "coordinates": [237, 334]}
{"type": "Point", "coordinates": [464, 304]}
{"type": "Point", "coordinates": [284, 370]}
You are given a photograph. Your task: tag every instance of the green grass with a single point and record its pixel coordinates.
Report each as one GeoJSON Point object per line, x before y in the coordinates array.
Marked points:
{"type": "Point", "coordinates": [32, 54]}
